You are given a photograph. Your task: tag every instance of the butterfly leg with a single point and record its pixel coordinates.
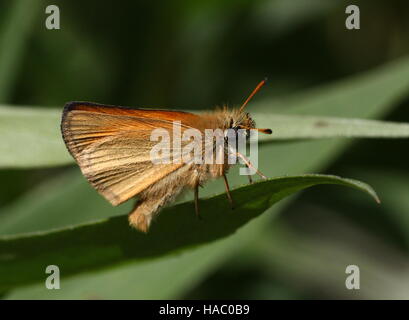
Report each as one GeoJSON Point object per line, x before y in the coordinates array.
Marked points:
{"type": "Point", "coordinates": [226, 184]}
{"type": "Point", "coordinates": [249, 176]}
{"type": "Point", "coordinates": [197, 202]}
{"type": "Point", "coordinates": [249, 165]}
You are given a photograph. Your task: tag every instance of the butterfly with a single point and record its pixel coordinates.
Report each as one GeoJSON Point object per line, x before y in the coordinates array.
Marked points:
{"type": "Point", "coordinates": [113, 148]}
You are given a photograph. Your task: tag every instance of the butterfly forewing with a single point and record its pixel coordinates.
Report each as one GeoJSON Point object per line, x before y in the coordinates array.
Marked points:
{"type": "Point", "coordinates": [112, 146]}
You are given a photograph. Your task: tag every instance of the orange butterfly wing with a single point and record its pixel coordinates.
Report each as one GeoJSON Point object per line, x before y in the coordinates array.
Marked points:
{"type": "Point", "coordinates": [112, 145]}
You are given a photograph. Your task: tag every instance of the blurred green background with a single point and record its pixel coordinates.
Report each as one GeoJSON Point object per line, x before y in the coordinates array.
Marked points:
{"type": "Point", "coordinates": [195, 55]}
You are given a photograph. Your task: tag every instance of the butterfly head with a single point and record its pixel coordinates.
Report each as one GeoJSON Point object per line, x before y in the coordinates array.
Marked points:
{"type": "Point", "coordinates": [242, 120]}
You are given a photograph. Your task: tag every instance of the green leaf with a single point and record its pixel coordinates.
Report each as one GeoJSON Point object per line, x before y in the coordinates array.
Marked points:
{"type": "Point", "coordinates": [30, 137]}
{"type": "Point", "coordinates": [292, 127]}
{"type": "Point", "coordinates": [38, 131]}
{"type": "Point", "coordinates": [112, 241]}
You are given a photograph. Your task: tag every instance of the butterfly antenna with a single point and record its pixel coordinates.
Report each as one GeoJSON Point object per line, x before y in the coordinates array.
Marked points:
{"type": "Point", "coordinates": [262, 83]}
